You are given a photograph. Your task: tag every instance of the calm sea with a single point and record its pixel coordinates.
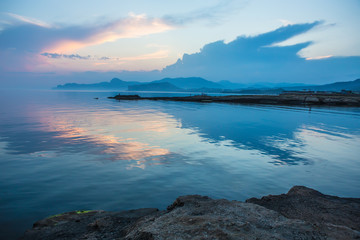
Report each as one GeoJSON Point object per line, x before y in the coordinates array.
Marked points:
{"type": "Point", "coordinates": [63, 151]}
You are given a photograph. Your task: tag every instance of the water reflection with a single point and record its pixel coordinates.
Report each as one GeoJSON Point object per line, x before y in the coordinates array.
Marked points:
{"type": "Point", "coordinates": [268, 129]}
{"type": "Point", "coordinates": [152, 133]}
{"type": "Point", "coordinates": [315, 143]}
{"type": "Point", "coordinates": [65, 131]}
{"type": "Point", "coordinates": [65, 151]}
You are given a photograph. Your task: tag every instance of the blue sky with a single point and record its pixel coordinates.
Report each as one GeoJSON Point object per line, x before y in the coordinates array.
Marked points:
{"type": "Point", "coordinates": [65, 37]}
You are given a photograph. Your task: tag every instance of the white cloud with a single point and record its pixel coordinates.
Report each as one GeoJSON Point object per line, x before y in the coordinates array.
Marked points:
{"type": "Point", "coordinates": [23, 19]}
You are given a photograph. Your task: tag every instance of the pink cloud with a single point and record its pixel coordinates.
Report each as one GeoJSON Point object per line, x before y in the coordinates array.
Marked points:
{"type": "Point", "coordinates": [23, 40]}
{"type": "Point", "coordinates": [132, 27]}
{"type": "Point", "coordinates": [319, 57]}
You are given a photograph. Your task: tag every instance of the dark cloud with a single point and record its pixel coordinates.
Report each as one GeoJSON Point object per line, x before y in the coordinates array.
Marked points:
{"type": "Point", "coordinates": [256, 59]}
{"type": "Point", "coordinates": [52, 55]}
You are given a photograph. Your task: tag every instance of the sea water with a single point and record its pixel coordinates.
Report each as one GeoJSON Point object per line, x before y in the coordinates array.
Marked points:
{"type": "Point", "coordinates": [64, 151]}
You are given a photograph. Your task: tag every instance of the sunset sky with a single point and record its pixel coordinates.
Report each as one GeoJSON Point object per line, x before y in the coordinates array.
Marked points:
{"type": "Point", "coordinates": [47, 36]}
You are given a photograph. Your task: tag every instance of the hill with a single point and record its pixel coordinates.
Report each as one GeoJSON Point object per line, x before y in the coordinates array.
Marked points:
{"type": "Point", "coordinates": [155, 86]}
{"type": "Point", "coordinates": [338, 86]}
{"type": "Point", "coordinates": [331, 87]}
{"type": "Point", "coordinates": [202, 85]}
{"type": "Point", "coordinates": [190, 82]}
{"type": "Point", "coordinates": [115, 84]}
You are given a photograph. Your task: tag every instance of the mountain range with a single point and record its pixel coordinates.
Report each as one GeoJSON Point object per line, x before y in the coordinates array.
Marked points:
{"type": "Point", "coordinates": [114, 84]}
{"type": "Point", "coordinates": [337, 86]}
{"type": "Point", "coordinates": [203, 85]}
{"type": "Point", "coordinates": [155, 86]}
{"type": "Point", "coordinates": [190, 83]}
{"type": "Point", "coordinates": [117, 84]}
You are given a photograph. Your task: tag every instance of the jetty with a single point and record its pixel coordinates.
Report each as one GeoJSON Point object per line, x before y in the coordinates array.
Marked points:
{"type": "Point", "coordinates": [286, 98]}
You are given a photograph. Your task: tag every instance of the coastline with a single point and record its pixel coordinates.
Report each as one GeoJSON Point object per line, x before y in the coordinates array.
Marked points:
{"type": "Point", "coordinates": [295, 99]}
{"type": "Point", "coordinates": [302, 213]}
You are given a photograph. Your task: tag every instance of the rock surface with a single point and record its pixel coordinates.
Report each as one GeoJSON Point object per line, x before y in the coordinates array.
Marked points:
{"type": "Point", "coordinates": [302, 213]}
{"type": "Point", "coordinates": [90, 225]}
{"type": "Point", "coordinates": [312, 206]}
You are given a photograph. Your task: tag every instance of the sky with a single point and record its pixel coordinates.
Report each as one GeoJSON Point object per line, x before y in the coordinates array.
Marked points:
{"type": "Point", "coordinates": [46, 42]}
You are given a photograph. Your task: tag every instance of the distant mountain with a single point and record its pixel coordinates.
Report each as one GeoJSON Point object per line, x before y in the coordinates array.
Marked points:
{"type": "Point", "coordinates": [278, 88]}
{"type": "Point", "coordinates": [276, 85]}
{"type": "Point", "coordinates": [230, 85]}
{"type": "Point", "coordinates": [115, 84]}
{"type": "Point", "coordinates": [335, 87]}
{"type": "Point", "coordinates": [155, 86]}
{"type": "Point", "coordinates": [263, 91]}
{"type": "Point", "coordinates": [190, 83]}
{"type": "Point", "coordinates": [257, 85]}
{"type": "Point", "coordinates": [197, 84]}
{"type": "Point", "coordinates": [338, 86]}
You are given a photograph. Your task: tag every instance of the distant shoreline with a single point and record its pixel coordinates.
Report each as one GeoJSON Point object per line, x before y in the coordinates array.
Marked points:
{"type": "Point", "coordinates": [289, 98]}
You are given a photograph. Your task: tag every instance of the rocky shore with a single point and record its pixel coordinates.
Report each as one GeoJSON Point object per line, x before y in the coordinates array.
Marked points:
{"type": "Point", "coordinates": [300, 98]}
{"type": "Point", "coordinates": [302, 213]}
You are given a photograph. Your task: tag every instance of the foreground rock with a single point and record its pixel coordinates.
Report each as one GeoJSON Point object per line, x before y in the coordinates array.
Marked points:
{"type": "Point", "coordinates": [303, 213]}
{"type": "Point", "coordinates": [87, 225]}
{"type": "Point", "coordinates": [312, 206]}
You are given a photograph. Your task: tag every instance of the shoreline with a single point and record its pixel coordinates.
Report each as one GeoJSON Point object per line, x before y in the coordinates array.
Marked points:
{"type": "Point", "coordinates": [302, 213]}
{"type": "Point", "coordinates": [293, 99]}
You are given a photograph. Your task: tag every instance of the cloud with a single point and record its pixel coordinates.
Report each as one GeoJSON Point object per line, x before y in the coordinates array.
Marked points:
{"type": "Point", "coordinates": [70, 56]}
{"type": "Point", "coordinates": [28, 44]}
{"type": "Point", "coordinates": [22, 19]}
{"type": "Point", "coordinates": [319, 57]}
{"type": "Point", "coordinates": [155, 55]}
{"type": "Point", "coordinates": [64, 39]}
{"type": "Point", "coordinates": [285, 22]}
{"type": "Point", "coordinates": [213, 13]}
{"type": "Point", "coordinates": [260, 59]}
{"type": "Point", "coordinates": [22, 40]}
{"type": "Point", "coordinates": [133, 26]}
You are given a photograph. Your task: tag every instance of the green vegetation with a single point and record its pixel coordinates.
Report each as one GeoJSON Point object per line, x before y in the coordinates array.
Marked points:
{"type": "Point", "coordinates": [83, 211]}
{"type": "Point", "coordinates": [76, 212]}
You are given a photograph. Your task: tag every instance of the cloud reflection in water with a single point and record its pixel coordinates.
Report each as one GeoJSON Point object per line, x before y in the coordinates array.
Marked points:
{"type": "Point", "coordinates": [59, 131]}
{"type": "Point", "coordinates": [151, 134]}
{"type": "Point", "coordinates": [317, 143]}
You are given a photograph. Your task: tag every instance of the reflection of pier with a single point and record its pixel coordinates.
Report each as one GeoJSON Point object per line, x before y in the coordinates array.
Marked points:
{"type": "Point", "coordinates": [286, 98]}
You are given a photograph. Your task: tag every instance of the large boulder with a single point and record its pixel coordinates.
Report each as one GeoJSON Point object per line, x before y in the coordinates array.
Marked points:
{"type": "Point", "coordinates": [86, 225]}
{"type": "Point", "coordinates": [314, 207]}
{"type": "Point", "coordinates": [302, 213]}
{"type": "Point", "coordinates": [198, 217]}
